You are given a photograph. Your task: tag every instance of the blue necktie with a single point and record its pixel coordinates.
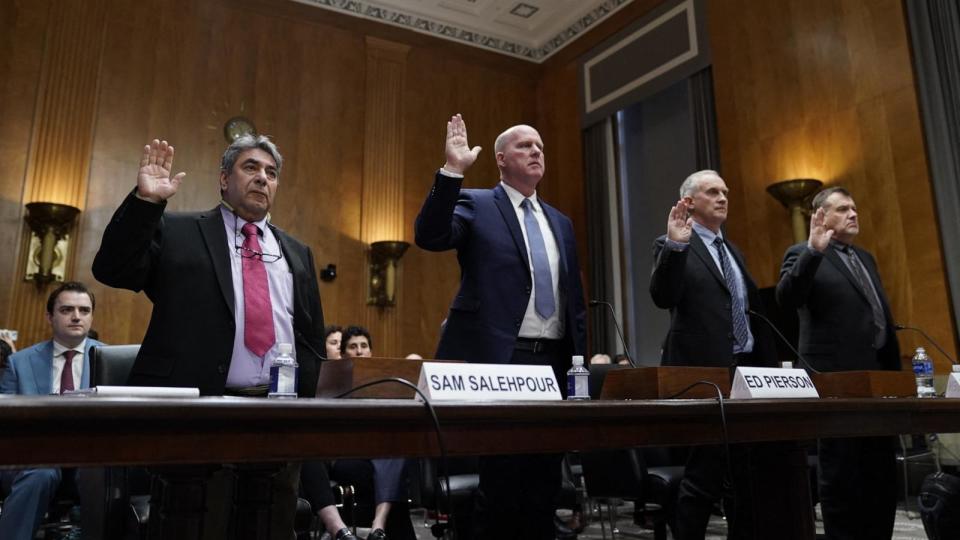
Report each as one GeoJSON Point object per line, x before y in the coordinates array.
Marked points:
{"type": "Point", "coordinates": [736, 303]}
{"type": "Point", "coordinates": [542, 281]}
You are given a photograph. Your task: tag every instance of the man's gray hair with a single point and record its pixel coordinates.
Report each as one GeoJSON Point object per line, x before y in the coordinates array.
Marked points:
{"type": "Point", "coordinates": [690, 185]}
{"type": "Point", "coordinates": [249, 142]}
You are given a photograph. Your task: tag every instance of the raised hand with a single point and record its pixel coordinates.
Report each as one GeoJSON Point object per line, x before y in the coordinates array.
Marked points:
{"type": "Point", "coordinates": [153, 181]}
{"type": "Point", "coordinates": [679, 223]}
{"type": "Point", "coordinates": [820, 234]}
{"type": "Point", "coordinates": [459, 154]}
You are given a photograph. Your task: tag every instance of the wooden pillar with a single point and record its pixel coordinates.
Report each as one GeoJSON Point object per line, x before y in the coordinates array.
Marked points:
{"type": "Point", "coordinates": [59, 157]}
{"type": "Point", "coordinates": [382, 198]}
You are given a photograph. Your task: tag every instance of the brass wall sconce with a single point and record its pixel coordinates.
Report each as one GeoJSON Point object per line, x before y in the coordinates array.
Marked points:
{"type": "Point", "coordinates": [384, 257]}
{"type": "Point", "coordinates": [47, 253]}
{"type": "Point", "coordinates": [794, 195]}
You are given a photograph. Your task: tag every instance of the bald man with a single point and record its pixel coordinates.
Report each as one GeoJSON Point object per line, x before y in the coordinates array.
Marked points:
{"type": "Point", "coordinates": [520, 302]}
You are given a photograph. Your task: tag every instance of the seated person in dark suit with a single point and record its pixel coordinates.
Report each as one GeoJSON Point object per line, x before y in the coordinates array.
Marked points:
{"type": "Point", "coordinates": [49, 367]}
{"type": "Point", "coordinates": [386, 476]}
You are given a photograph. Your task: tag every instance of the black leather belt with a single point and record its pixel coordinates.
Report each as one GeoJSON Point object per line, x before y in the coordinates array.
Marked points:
{"type": "Point", "coordinates": [537, 345]}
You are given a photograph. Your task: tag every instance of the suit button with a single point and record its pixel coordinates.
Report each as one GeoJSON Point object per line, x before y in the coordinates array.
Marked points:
{"type": "Point", "coordinates": [517, 322]}
{"type": "Point", "coordinates": [222, 368]}
{"type": "Point", "coordinates": [528, 290]}
{"type": "Point", "coordinates": [730, 335]}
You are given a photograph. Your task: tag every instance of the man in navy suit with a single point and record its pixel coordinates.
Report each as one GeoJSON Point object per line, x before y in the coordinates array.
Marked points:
{"type": "Point", "coordinates": [845, 324]}
{"type": "Point", "coordinates": [49, 367]}
{"type": "Point", "coordinates": [520, 302]}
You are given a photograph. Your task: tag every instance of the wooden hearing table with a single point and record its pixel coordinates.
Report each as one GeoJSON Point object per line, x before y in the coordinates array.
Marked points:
{"type": "Point", "coordinates": [78, 431]}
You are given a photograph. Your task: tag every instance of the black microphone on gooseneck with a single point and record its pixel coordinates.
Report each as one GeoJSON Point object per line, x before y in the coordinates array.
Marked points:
{"type": "Point", "coordinates": [783, 339]}
{"type": "Point", "coordinates": [613, 315]}
{"type": "Point", "coordinates": [899, 327]}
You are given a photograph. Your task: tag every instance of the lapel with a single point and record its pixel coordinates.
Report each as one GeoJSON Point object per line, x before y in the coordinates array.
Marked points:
{"type": "Point", "coordinates": [215, 237]}
{"type": "Point", "coordinates": [831, 255]}
{"type": "Point", "coordinates": [702, 251]}
{"type": "Point", "coordinates": [510, 218]}
{"type": "Point", "coordinates": [41, 363]}
{"type": "Point", "coordinates": [85, 375]}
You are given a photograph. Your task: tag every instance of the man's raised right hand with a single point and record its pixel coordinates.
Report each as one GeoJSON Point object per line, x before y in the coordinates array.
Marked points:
{"type": "Point", "coordinates": [154, 183]}
{"type": "Point", "coordinates": [459, 154]}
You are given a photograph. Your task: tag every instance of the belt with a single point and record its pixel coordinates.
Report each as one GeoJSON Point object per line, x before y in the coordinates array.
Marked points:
{"type": "Point", "coordinates": [537, 345]}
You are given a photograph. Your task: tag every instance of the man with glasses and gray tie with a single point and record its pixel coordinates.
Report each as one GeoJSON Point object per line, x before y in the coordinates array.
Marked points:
{"type": "Point", "coordinates": [227, 288]}
{"type": "Point", "coordinates": [54, 366]}
{"type": "Point", "coordinates": [520, 302]}
{"type": "Point", "coordinates": [701, 277]}
{"type": "Point", "coordinates": [845, 324]}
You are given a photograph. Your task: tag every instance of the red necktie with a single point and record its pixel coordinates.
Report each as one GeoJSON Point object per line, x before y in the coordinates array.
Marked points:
{"type": "Point", "coordinates": [66, 377]}
{"type": "Point", "coordinates": [258, 333]}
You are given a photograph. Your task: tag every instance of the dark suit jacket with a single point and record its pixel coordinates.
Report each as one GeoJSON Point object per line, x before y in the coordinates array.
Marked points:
{"type": "Point", "coordinates": [836, 322]}
{"type": "Point", "coordinates": [495, 281]}
{"type": "Point", "coordinates": [690, 285]}
{"type": "Point", "coordinates": [182, 262]}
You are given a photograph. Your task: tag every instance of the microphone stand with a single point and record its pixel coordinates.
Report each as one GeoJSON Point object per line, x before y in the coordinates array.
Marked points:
{"type": "Point", "coordinates": [613, 315]}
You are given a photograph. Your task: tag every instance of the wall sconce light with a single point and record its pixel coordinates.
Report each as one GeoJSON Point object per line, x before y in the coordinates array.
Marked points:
{"type": "Point", "coordinates": [793, 194]}
{"type": "Point", "coordinates": [384, 257]}
{"type": "Point", "coordinates": [47, 255]}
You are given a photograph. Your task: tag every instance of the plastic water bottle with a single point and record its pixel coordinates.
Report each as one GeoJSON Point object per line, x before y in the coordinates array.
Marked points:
{"type": "Point", "coordinates": [578, 380]}
{"type": "Point", "coordinates": [283, 373]}
{"type": "Point", "coordinates": [923, 371]}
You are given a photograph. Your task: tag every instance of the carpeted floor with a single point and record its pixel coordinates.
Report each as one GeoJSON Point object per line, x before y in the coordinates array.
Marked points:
{"type": "Point", "coordinates": [907, 527]}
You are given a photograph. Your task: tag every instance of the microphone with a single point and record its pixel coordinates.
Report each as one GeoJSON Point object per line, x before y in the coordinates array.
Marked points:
{"type": "Point", "coordinates": [613, 315]}
{"type": "Point", "coordinates": [305, 343]}
{"type": "Point", "coordinates": [899, 327]}
{"type": "Point", "coordinates": [783, 340]}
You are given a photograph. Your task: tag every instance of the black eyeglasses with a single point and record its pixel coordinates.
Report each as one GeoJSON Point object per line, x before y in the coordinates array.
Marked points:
{"type": "Point", "coordinates": [248, 253]}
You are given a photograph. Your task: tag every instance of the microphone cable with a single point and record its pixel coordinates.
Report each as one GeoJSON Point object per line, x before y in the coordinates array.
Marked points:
{"type": "Point", "coordinates": [731, 488]}
{"type": "Point", "coordinates": [899, 327]}
{"type": "Point", "coordinates": [783, 339]}
{"type": "Point", "coordinates": [444, 470]}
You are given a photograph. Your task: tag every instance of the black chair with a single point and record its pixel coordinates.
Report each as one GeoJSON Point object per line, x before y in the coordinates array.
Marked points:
{"type": "Point", "coordinates": [624, 474]}
{"type": "Point", "coordinates": [464, 475]}
{"type": "Point", "coordinates": [110, 365]}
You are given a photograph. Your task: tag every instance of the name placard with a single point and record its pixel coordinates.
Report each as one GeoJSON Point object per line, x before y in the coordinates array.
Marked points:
{"type": "Point", "coordinates": [953, 386]}
{"type": "Point", "coordinates": [487, 382]}
{"type": "Point", "coordinates": [757, 382]}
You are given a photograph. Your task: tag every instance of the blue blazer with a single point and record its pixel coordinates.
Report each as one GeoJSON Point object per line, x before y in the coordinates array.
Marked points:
{"type": "Point", "coordinates": [495, 281]}
{"type": "Point", "coordinates": [28, 370]}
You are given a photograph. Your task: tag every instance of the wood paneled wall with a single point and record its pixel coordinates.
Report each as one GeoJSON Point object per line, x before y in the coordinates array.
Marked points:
{"type": "Point", "coordinates": [179, 69]}
{"type": "Point", "coordinates": [824, 89]}
{"type": "Point", "coordinates": [821, 88]}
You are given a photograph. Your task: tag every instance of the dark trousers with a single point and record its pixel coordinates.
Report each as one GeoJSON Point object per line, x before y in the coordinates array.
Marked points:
{"type": "Point", "coordinates": [858, 487]}
{"type": "Point", "coordinates": [705, 482]}
{"type": "Point", "coordinates": [518, 494]}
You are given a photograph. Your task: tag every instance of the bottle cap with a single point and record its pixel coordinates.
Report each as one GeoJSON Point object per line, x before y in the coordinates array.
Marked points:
{"type": "Point", "coordinates": [285, 348]}
{"type": "Point", "coordinates": [578, 360]}
{"type": "Point", "coordinates": [786, 365]}
{"type": "Point", "coordinates": [921, 350]}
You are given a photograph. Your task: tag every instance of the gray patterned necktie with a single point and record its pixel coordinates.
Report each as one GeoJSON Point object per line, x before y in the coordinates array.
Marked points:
{"type": "Point", "coordinates": [542, 280]}
{"type": "Point", "coordinates": [739, 315]}
{"type": "Point", "coordinates": [860, 273]}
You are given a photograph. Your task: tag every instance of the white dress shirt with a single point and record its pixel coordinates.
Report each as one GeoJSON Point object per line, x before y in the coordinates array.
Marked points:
{"type": "Point", "coordinates": [56, 374]}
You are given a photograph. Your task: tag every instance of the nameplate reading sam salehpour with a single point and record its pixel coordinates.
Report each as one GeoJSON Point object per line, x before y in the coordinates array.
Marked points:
{"type": "Point", "coordinates": [757, 383]}
{"type": "Point", "coordinates": [488, 382]}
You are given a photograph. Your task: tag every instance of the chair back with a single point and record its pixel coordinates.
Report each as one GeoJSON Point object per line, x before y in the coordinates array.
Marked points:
{"type": "Point", "coordinates": [614, 474]}
{"type": "Point", "coordinates": [110, 365]}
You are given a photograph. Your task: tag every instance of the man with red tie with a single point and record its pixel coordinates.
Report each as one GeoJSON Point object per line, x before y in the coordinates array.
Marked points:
{"type": "Point", "coordinates": [227, 286]}
{"type": "Point", "coordinates": [49, 367]}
